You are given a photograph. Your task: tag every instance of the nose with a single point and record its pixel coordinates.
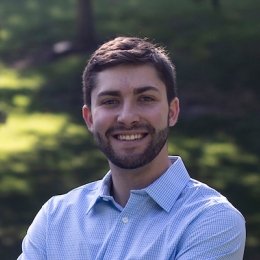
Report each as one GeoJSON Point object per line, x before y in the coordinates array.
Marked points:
{"type": "Point", "coordinates": [128, 115]}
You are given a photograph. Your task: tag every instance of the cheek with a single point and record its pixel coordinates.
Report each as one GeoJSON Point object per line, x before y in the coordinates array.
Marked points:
{"type": "Point", "coordinates": [101, 121]}
{"type": "Point", "coordinates": [159, 117]}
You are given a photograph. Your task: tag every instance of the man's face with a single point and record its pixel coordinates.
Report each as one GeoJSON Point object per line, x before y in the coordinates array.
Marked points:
{"type": "Point", "coordinates": [130, 115]}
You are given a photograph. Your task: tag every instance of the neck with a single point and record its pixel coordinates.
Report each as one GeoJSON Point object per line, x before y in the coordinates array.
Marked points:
{"type": "Point", "coordinates": [125, 180]}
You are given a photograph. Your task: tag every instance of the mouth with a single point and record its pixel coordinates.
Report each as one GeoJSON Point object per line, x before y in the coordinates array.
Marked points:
{"type": "Point", "coordinates": [129, 137]}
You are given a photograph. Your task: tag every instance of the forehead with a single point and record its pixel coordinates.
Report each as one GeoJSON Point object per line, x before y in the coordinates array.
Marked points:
{"type": "Point", "coordinates": [128, 78]}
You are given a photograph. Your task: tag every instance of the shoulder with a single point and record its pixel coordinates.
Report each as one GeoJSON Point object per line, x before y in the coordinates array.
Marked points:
{"type": "Point", "coordinates": [206, 210]}
{"type": "Point", "coordinates": [215, 227]}
{"type": "Point", "coordinates": [207, 198]}
{"type": "Point", "coordinates": [83, 195]}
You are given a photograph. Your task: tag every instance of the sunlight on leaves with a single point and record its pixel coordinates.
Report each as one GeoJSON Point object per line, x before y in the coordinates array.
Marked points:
{"type": "Point", "coordinates": [20, 133]}
{"type": "Point", "coordinates": [11, 79]}
{"type": "Point", "coordinates": [12, 183]}
{"type": "Point", "coordinates": [252, 179]}
{"type": "Point", "coordinates": [213, 152]}
{"type": "Point", "coordinates": [21, 101]}
{"type": "Point", "coordinates": [4, 34]}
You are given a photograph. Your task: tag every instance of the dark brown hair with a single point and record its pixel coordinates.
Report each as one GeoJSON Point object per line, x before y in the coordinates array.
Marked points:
{"type": "Point", "coordinates": [129, 51]}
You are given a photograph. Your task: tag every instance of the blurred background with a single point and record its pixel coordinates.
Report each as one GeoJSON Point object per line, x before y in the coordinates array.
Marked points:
{"type": "Point", "coordinates": [45, 148]}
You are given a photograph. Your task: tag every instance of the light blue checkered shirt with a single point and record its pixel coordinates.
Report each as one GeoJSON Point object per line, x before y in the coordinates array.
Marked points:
{"type": "Point", "coordinates": [175, 217]}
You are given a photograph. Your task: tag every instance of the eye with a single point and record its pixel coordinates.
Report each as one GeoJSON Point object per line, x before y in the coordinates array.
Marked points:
{"type": "Point", "coordinates": [146, 99]}
{"type": "Point", "coordinates": [109, 102]}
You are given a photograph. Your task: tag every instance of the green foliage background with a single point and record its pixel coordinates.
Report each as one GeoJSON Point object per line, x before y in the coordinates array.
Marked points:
{"type": "Point", "coordinates": [45, 148]}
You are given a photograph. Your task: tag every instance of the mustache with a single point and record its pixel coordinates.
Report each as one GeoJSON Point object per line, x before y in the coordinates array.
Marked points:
{"type": "Point", "coordinates": [141, 127]}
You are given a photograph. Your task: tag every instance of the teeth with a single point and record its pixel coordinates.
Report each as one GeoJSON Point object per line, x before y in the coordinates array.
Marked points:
{"type": "Point", "coordinates": [129, 137]}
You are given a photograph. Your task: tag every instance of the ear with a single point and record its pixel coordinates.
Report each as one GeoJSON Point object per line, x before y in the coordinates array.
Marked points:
{"type": "Point", "coordinates": [174, 111]}
{"type": "Point", "coordinates": [87, 115]}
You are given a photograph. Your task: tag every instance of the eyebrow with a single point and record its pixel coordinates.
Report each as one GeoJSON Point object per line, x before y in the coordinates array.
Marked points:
{"type": "Point", "coordinates": [109, 93]}
{"type": "Point", "coordinates": [144, 89]}
{"type": "Point", "coordinates": [137, 91]}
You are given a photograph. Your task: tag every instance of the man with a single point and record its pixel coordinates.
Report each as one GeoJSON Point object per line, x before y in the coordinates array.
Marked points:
{"type": "Point", "coordinates": [146, 206]}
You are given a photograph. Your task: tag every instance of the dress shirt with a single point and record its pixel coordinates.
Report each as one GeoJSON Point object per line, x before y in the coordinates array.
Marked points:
{"type": "Point", "coordinates": [175, 217]}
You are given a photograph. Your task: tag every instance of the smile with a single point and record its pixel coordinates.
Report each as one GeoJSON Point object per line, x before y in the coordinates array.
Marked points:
{"type": "Point", "coordinates": [130, 137]}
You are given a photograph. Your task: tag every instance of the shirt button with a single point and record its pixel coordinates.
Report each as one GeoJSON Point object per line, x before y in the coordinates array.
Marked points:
{"type": "Point", "coordinates": [125, 220]}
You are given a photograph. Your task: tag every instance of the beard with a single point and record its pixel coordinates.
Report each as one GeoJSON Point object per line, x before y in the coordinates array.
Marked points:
{"type": "Point", "coordinates": [136, 160]}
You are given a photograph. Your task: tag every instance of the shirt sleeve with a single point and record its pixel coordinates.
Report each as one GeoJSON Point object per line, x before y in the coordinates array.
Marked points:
{"type": "Point", "coordinates": [217, 234]}
{"type": "Point", "coordinates": [34, 245]}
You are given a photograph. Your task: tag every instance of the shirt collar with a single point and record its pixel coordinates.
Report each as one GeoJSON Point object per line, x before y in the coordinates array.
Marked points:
{"type": "Point", "coordinates": [164, 191]}
{"type": "Point", "coordinates": [102, 191]}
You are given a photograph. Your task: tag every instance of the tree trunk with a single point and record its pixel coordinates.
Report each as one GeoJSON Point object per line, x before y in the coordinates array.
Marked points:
{"type": "Point", "coordinates": [3, 117]}
{"type": "Point", "coordinates": [216, 4]}
{"type": "Point", "coordinates": [86, 36]}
